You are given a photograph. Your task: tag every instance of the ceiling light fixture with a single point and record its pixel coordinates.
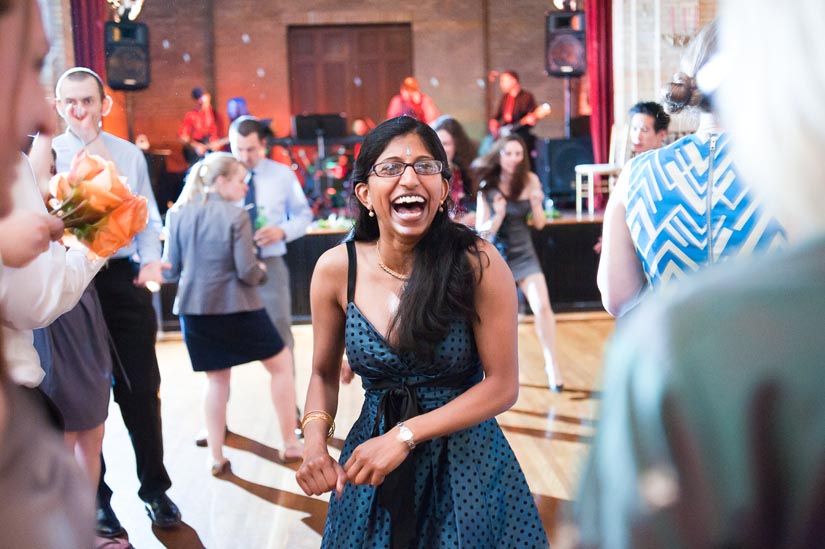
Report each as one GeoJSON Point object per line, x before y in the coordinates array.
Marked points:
{"type": "Point", "coordinates": [129, 8]}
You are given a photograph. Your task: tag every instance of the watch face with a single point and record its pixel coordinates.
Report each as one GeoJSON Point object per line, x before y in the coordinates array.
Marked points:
{"type": "Point", "coordinates": [406, 436]}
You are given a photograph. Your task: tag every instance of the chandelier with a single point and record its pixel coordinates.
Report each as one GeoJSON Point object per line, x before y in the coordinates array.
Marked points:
{"type": "Point", "coordinates": [128, 8]}
{"type": "Point", "coordinates": [566, 5]}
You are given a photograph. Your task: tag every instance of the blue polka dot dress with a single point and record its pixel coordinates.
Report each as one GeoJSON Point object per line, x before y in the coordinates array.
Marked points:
{"type": "Point", "coordinates": [468, 490]}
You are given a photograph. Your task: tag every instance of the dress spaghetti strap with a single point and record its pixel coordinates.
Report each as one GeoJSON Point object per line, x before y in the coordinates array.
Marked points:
{"type": "Point", "coordinates": [351, 270]}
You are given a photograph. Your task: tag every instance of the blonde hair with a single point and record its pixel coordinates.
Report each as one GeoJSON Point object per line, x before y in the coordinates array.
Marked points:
{"type": "Point", "coordinates": [202, 176]}
{"type": "Point", "coordinates": [771, 100]}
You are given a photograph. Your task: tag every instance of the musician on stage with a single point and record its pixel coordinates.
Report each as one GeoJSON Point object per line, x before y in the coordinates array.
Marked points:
{"type": "Point", "coordinates": [199, 131]}
{"type": "Point", "coordinates": [515, 113]}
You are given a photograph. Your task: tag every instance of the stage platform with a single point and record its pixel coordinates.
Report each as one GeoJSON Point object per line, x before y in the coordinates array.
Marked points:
{"type": "Point", "coordinates": [565, 247]}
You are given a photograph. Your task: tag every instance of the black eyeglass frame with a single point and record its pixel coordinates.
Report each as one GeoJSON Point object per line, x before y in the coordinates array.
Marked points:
{"type": "Point", "coordinates": [408, 165]}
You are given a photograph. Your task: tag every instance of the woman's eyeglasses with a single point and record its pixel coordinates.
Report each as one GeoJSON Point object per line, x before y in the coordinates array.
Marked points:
{"type": "Point", "coordinates": [395, 169]}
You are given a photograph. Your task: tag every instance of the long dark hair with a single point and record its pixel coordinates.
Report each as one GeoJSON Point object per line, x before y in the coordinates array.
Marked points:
{"type": "Point", "coordinates": [465, 150]}
{"type": "Point", "coordinates": [441, 287]}
{"type": "Point", "coordinates": [488, 169]}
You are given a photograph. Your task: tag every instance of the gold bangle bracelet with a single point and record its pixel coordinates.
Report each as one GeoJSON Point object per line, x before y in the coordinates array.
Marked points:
{"type": "Point", "coordinates": [319, 414]}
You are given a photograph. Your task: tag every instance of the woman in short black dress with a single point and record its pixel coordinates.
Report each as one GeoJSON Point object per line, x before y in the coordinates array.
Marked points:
{"type": "Point", "coordinates": [211, 254]}
{"type": "Point", "coordinates": [509, 192]}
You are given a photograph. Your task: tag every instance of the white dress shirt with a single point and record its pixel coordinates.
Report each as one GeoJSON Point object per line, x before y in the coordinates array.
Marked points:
{"type": "Point", "coordinates": [35, 295]}
{"type": "Point", "coordinates": [281, 200]}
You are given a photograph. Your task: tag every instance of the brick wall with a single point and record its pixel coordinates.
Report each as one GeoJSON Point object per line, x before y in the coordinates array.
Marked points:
{"type": "Point", "coordinates": [239, 47]}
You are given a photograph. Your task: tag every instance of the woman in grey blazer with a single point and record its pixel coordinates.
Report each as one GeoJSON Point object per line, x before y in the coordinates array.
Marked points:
{"type": "Point", "coordinates": [211, 254]}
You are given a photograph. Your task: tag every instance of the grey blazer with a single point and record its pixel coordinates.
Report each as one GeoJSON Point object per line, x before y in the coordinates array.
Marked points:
{"type": "Point", "coordinates": [212, 255]}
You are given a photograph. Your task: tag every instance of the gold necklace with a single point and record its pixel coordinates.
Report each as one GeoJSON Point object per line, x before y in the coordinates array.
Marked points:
{"type": "Point", "coordinates": [386, 269]}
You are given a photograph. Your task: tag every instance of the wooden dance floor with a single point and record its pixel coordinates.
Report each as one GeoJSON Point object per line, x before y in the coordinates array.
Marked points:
{"type": "Point", "coordinates": [260, 506]}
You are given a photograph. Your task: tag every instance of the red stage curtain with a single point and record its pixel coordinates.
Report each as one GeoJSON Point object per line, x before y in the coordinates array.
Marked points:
{"type": "Point", "coordinates": [88, 19]}
{"type": "Point", "coordinates": [598, 26]}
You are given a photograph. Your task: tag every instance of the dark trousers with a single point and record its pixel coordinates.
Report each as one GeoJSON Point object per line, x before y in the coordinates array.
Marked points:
{"type": "Point", "coordinates": [132, 324]}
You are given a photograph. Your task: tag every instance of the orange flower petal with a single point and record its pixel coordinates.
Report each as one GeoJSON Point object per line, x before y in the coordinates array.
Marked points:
{"type": "Point", "coordinates": [85, 166]}
{"type": "Point", "coordinates": [120, 227]}
{"type": "Point", "coordinates": [97, 197]}
{"type": "Point", "coordinates": [59, 187]}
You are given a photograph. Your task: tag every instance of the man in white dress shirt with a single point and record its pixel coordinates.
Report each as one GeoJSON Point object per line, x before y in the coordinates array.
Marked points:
{"type": "Point", "coordinates": [280, 214]}
{"type": "Point", "coordinates": [124, 297]}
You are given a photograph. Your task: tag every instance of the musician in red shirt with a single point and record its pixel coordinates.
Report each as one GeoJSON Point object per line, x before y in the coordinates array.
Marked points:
{"type": "Point", "coordinates": [515, 113]}
{"type": "Point", "coordinates": [199, 131]}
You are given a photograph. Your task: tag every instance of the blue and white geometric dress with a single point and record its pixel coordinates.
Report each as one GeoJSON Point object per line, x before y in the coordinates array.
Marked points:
{"type": "Point", "coordinates": [680, 223]}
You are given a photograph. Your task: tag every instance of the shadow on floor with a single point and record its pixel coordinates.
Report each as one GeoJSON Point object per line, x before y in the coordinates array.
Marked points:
{"type": "Point", "coordinates": [182, 536]}
{"type": "Point", "coordinates": [316, 509]}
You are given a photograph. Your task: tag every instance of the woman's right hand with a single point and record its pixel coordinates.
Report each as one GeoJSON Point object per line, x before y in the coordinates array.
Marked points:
{"type": "Point", "coordinates": [320, 473]}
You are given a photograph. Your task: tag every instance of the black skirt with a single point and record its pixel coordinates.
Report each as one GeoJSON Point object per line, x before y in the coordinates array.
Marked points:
{"type": "Point", "coordinates": [217, 342]}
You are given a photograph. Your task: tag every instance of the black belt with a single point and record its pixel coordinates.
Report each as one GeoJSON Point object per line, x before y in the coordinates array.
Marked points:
{"type": "Point", "coordinates": [400, 403]}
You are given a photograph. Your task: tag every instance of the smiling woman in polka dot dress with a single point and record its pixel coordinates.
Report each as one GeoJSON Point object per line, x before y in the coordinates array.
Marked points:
{"type": "Point", "coordinates": [427, 312]}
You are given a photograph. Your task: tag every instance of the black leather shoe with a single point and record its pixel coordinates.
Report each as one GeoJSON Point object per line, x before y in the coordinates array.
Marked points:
{"type": "Point", "coordinates": [163, 512]}
{"type": "Point", "coordinates": [107, 524]}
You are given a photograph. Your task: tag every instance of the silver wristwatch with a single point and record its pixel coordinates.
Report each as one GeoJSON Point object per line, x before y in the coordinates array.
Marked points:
{"type": "Point", "coordinates": [406, 436]}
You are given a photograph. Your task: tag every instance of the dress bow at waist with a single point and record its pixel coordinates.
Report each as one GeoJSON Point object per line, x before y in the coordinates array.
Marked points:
{"type": "Point", "coordinates": [399, 402]}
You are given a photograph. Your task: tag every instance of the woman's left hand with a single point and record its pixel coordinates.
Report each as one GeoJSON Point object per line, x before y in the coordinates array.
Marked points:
{"type": "Point", "coordinates": [376, 458]}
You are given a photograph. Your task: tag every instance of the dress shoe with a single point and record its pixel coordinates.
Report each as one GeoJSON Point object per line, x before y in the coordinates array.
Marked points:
{"type": "Point", "coordinates": [112, 543]}
{"type": "Point", "coordinates": [221, 469]}
{"type": "Point", "coordinates": [107, 524]}
{"type": "Point", "coordinates": [163, 512]}
{"type": "Point", "coordinates": [200, 438]}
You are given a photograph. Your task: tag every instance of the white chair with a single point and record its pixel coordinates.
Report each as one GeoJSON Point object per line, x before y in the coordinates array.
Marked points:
{"type": "Point", "coordinates": [615, 162]}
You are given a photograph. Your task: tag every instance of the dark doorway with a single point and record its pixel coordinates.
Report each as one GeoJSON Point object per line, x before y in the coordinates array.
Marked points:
{"type": "Point", "coordinates": [354, 69]}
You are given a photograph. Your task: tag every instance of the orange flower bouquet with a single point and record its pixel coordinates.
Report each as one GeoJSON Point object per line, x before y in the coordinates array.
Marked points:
{"type": "Point", "coordinates": [96, 205]}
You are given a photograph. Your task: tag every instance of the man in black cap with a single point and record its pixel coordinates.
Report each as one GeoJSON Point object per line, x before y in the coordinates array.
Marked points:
{"type": "Point", "coordinates": [199, 131]}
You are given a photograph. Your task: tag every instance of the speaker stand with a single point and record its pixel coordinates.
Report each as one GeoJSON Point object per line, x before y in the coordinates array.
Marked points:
{"type": "Point", "coordinates": [130, 116]}
{"type": "Point", "coordinates": [567, 106]}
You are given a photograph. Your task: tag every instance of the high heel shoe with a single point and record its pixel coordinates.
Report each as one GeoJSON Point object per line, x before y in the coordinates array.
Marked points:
{"type": "Point", "coordinates": [551, 380]}
{"type": "Point", "coordinates": [221, 469]}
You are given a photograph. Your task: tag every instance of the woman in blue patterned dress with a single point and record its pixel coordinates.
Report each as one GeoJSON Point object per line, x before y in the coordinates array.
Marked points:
{"type": "Point", "coordinates": [682, 207]}
{"type": "Point", "coordinates": [419, 303]}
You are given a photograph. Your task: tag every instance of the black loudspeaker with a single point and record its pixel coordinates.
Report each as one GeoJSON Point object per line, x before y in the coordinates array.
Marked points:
{"type": "Point", "coordinates": [127, 56]}
{"type": "Point", "coordinates": [565, 47]}
{"type": "Point", "coordinates": [556, 161]}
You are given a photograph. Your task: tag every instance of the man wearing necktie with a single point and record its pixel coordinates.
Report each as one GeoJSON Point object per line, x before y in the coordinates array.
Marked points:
{"type": "Point", "coordinates": [279, 213]}
{"type": "Point", "coordinates": [249, 201]}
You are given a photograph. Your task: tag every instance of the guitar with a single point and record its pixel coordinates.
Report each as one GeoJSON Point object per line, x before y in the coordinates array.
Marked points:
{"type": "Point", "coordinates": [539, 112]}
{"type": "Point", "coordinates": [487, 142]}
{"type": "Point", "coordinates": [196, 150]}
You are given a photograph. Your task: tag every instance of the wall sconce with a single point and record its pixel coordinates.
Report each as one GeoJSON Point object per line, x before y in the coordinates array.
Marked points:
{"type": "Point", "coordinates": [129, 8]}
{"type": "Point", "coordinates": [682, 29]}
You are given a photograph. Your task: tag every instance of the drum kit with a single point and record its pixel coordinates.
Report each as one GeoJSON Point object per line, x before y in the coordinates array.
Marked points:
{"type": "Point", "coordinates": [324, 177]}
